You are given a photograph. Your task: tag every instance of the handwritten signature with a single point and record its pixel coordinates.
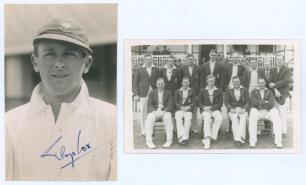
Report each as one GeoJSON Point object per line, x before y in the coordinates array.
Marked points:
{"type": "Point", "coordinates": [73, 156]}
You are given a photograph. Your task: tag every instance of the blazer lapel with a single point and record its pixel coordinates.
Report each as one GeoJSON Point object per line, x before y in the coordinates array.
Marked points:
{"type": "Point", "coordinates": [230, 72]}
{"type": "Point", "coordinates": [146, 72]}
{"type": "Point", "coordinates": [280, 72]}
{"type": "Point", "coordinates": [164, 98]}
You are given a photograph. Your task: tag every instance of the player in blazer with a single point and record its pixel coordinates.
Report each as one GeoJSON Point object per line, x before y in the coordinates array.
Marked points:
{"type": "Point", "coordinates": [281, 78]}
{"type": "Point", "coordinates": [212, 67]}
{"type": "Point", "coordinates": [232, 69]}
{"type": "Point", "coordinates": [210, 103]}
{"type": "Point", "coordinates": [193, 72]}
{"type": "Point", "coordinates": [160, 105]}
{"type": "Point", "coordinates": [237, 102]}
{"type": "Point", "coordinates": [144, 81]}
{"type": "Point", "coordinates": [184, 103]}
{"type": "Point", "coordinates": [171, 75]}
{"type": "Point", "coordinates": [262, 107]}
{"type": "Point", "coordinates": [250, 77]}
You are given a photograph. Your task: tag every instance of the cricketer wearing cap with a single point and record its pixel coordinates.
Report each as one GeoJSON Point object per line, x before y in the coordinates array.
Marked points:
{"type": "Point", "coordinates": [61, 133]}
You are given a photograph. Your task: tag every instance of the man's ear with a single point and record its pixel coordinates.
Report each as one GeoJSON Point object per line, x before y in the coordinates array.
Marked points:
{"type": "Point", "coordinates": [34, 63]}
{"type": "Point", "coordinates": [88, 63]}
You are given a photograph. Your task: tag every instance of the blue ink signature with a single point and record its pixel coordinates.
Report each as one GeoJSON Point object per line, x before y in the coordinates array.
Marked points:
{"type": "Point", "coordinates": [80, 152]}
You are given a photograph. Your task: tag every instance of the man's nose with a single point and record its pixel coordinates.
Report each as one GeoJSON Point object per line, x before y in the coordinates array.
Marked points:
{"type": "Point", "coordinates": [59, 65]}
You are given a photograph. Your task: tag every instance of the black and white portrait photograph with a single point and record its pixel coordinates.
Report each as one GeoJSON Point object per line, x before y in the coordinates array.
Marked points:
{"type": "Point", "coordinates": [212, 96]}
{"type": "Point", "coordinates": [60, 92]}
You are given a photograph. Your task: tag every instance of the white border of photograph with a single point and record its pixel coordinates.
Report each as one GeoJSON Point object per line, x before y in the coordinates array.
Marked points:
{"type": "Point", "coordinates": [128, 103]}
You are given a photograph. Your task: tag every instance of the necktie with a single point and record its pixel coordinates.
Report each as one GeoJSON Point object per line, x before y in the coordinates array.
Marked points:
{"type": "Point", "coordinates": [267, 74]}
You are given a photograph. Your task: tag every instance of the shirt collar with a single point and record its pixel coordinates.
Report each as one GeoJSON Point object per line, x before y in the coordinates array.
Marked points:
{"type": "Point", "coordinates": [232, 87]}
{"type": "Point", "coordinates": [181, 89]}
{"type": "Point", "coordinates": [215, 88]}
{"type": "Point", "coordinates": [81, 101]}
{"type": "Point", "coordinates": [253, 70]}
{"type": "Point", "coordinates": [260, 89]}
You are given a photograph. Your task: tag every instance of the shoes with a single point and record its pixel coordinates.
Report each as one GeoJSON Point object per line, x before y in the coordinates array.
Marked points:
{"type": "Point", "coordinates": [195, 131]}
{"type": "Point", "coordinates": [143, 134]}
{"type": "Point", "coordinates": [167, 144]}
{"type": "Point", "coordinates": [182, 140]}
{"type": "Point", "coordinates": [203, 141]}
{"type": "Point", "coordinates": [151, 145]}
{"type": "Point", "coordinates": [252, 144]}
{"type": "Point", "coordinates": [239, 142]}
{"type": "Point", "coordinates": [279, 145]}
{"type": "Point", "coordinates": [207, 143]}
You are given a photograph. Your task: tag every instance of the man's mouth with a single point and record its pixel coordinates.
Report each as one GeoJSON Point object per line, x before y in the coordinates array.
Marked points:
{"type": "Point", "coordinates": [59, 75]}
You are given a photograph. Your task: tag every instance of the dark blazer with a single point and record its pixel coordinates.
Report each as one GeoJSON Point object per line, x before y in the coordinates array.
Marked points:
{"type": "Point", "coordinates": [179, 74]}
{"type": "Point", "coordinates": [194, 79]}
{"type": "Point", "coordinates": [205, 101]}
{"type": "Point", "coordinates": [178, 98]}
{"type": "Point", "coordinates": [152, 104]}
{"type": "Point", "coordinates": [282, 80]}
{"type": "Point", "coordinates": [227, 74]}
{"type": "Point", "coordinates": [268, 78]}
{"type": "Point", "coordinates": [205, 71]}
{"type": "Point", "coordinates": [142, 81]}
{"type": "Point", "coordinates": [266, 103]}
{"type": "Point", "coordinates": [231, 102]}
{"type": "Point", "coordinates": [246, 77]}
{"type": "Point", "coordinates": [173, 83]}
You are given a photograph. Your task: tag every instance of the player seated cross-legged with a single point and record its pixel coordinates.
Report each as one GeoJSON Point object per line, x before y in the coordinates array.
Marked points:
{"type": "Point", "coordinates": [184, 104]}
{"type": "Point", "coordinates": [210, 103]}
{"type": "Point", "coordinates": [262, 107]}
{"type": "Point", "coordinates": [237, 102]}
{"type": "Point", "coordinates": [160, 105]}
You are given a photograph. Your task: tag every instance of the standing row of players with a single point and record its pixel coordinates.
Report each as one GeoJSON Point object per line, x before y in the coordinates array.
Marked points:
{"type": "Point", "coordinates": [261, 93]}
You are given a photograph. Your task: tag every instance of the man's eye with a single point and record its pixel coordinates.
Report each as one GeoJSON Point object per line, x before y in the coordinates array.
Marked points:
{"type": "Point", "coordinates": [71, 54]}
{"type": "Point", "coordinates": [49, 54]}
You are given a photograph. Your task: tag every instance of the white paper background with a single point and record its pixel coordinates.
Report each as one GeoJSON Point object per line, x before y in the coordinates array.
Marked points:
{"type": "Point", "coordinates": [161, 19]}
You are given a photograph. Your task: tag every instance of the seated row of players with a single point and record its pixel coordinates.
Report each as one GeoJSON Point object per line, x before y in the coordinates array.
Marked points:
{"type": "Point", "coordinates": [236, 99]}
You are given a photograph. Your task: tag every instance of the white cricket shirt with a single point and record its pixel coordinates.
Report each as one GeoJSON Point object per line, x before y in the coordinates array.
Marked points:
{"type": "Point", "coordinates": [81, 145]}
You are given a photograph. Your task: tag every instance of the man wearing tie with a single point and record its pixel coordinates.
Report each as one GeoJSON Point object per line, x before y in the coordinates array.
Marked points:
{"type": "Point", "coordinates": [210, 103]}
{"type": "Point", "coordinates": [237, 102]}
{"type": "Point", "coordinates": [184, 103]}
{"type": "Point", "coordinates": [144, 81]}
{"type": "Point", "coordinates": [160, 105]}
{"type": "Point", "coordinates": [171, 76]}
{"type": "Point", "coordinates": [281, 77]}
{"type": "Point", "coordinates": [211, 68]}
{"type": "Point", "coordinates": [267, 73]}
{"type": "Point", "coordinates": [193, 72]}
{"type": "Point", "coordinates": [262, 107]}
{"type": "Point", "coordinates": [230, 70]}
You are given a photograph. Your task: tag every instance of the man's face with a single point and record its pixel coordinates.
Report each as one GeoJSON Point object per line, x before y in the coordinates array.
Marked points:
{"type": "Point", "coordinates": [211, 82]}
{"type": "Point", "coordinates": [189, 61]}
{"type": "Point", "coordinates": [148, 61]}
{"type": "Point", "coordinates": [235, 59]}
{"type": "Point", "coordinates": [160, 84]}
{"type": "Point", "coordinates": [213, 56]}
{"type": "Point", "coordinates": [236, 83]}
{"type": "Point", "coordinates": [170, 62]}
{"type": "Point", "coordinates": [279, 61]}
{"type": "Point", "coordinates": [261, 83]}
{"type": "Point", "coordinates": [253, 64]}
{"type": "Point", "coordinates": [60, 66]}
{"type": "Point", "coordinates": [185, 83]}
